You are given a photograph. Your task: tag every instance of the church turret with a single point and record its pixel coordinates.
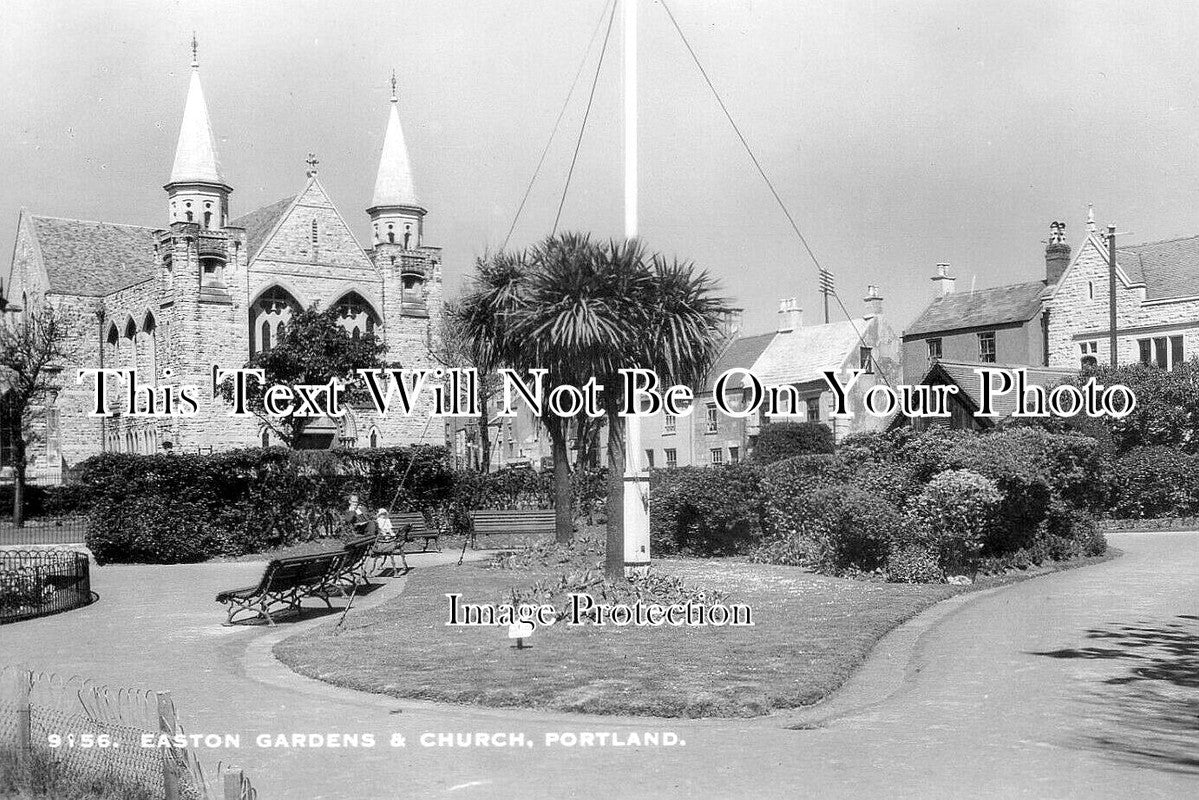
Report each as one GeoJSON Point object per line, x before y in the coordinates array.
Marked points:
{"type": "Point", "coordinates": [197, 191]}
{"type": "Point", "coordinates": [396, 216]}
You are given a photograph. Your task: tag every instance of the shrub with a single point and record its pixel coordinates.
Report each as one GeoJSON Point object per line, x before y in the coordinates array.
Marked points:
{"type": "Point", "coordinates": [787, 487]}
{"type": "Point", "coordinates": [706, 511]}
{"type": "Point", "coordinates": [1153, 482]}
{"type": "Point", "coordinates": [842, 530]}
{"type": "Point", "coordinates": [912, 563]}
{"type": "Point", "coordinates": [956, 509]}
{"type": "Point", "coordinates": [779, 440]}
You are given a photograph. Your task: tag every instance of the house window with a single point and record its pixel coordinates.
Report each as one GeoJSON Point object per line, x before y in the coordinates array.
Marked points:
{"type": "Point", "coordinates": [669, 423]}
{"type": "Point", "coordinates": [712, 422]}
{"type": "Point", "coordinates": [1161, 351]}
{"type": "Point", "coordinates": [649, 458]}
{"type": "Point", "coordinates": [734, 455]}
{"type": "Point", "coordinates": [672, 458]}
{"type": "Point", "coordinates": [813, 404]}
{"type": "Point", "coordinates": [1087, 353]}
{"type": "Point", "coordinates": [986, 347]}
{"type": "Point", "coordinates": [866, 360]}
{"type": "Point", "coordinates": [717, 456]}
{"type": "Point", "coordinates": [934, 349]}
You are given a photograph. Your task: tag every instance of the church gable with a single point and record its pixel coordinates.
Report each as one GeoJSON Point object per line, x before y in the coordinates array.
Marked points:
{"type": "Point", "coordinates": [311, 238]}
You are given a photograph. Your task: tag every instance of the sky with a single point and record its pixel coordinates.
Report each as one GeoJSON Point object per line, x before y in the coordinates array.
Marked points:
{"type": "Point", "coordinates": [899, 134]}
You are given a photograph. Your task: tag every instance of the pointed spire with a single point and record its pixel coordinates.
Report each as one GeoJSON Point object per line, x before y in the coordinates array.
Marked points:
{"type": "Point", "coordinates": [195, 154]}
{"type": "Point", "coordinates": [393, 184]}
{"type": "Point", "coordinates": [1091, 217]}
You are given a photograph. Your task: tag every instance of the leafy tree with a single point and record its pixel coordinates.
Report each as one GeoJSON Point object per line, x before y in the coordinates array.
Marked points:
{"type": "Point", "coordinates": [780, 440]}
{"type": "Point", "coordinates": [1166, 413]}
{"type": "Point", "coordinates": [313, 349]}
{"type": "Point", "coordinates": [32, 351]}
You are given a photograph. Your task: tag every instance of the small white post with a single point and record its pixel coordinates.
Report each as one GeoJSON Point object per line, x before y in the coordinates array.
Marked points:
{"type": "Point", "coordinates": [24, 732]}
{"type": "Point", "coordinates": [168, 724]}
{"type": "Point", "coordinates": [232, 784]}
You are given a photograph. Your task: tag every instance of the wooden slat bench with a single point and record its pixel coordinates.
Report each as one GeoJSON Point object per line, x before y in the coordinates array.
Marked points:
{"type": "Point", "coordinates": [418, 530]}
{"type": "Point", "coordinates": [497, 522]}
{"type": "Point", "coordinates": [285, 583]}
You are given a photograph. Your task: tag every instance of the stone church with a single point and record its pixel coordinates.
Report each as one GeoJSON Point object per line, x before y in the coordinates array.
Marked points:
{"type": "Point", "coordinates": [209, 288]}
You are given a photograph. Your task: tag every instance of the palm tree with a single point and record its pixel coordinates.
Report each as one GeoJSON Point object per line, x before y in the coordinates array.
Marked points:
{"type": "Point", "coordinates": [591, 309]}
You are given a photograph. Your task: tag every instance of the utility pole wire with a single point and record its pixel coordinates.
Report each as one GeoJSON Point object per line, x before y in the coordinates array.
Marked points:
{"type": "Point", "coordinates": [569, 94]}
{"type": "Point", "coordinates": [762, 172]}
{"type": "Point", "coordinates": [586, 115]}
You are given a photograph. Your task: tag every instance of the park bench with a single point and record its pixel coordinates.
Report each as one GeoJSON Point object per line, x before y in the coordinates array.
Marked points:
{"type": "Point", "coordinates": [497, 522]}
{"type": "Point", "coordinates": [407, 528]}
{"type": "Point", "coordinates": [352, 571]}
{"type": "Point", "coordinates": [285, 583]}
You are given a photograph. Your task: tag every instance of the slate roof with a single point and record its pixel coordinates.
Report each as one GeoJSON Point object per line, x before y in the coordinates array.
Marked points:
{"type": "Point", "coordinates": [1168, 269]}
{"type": "Point", "coordinates": [963, 374]}
{"type": "Point", "coordinates": [1001, 305]}
{"type": "Point", "coordinates": [93, 258]}
{"type": "Point", "coordinates": [804, 354]}
{"type": "Point", "coordinates": [742, 352]}
{"type": "Point", "coordinates": [260, 222]}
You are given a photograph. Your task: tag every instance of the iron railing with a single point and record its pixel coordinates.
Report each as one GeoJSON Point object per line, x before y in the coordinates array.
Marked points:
{"type": "Point", "coordinates": [34, 583]}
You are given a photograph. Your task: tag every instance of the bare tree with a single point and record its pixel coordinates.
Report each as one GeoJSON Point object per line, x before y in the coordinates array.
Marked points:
{"type": "Point", "coordinates": [33, 348]}
{"type": "Point", "coordinates": [452, 348]}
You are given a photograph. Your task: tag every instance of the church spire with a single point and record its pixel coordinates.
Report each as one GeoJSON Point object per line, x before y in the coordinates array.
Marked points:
{"type": "Point", "coordinates": [396, 215]}
{"type": "Point", "coordinates": [195, 154]}
{"type": "Point", "coordinates": [197, 188]}
{"type": "Point", "coordinates": [393, 183]}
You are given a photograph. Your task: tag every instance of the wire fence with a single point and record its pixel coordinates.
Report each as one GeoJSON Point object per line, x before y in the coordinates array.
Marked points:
{"type": "Point", "coordinates": [34, 583]}
{"type": "Point", "coordinates": [127, 740]}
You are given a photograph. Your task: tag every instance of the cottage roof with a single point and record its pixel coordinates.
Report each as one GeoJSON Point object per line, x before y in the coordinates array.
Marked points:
{"type": "Point", "coordinates": [1000, 305]}
{"type": "Point", "coordinates": [807, 352]}
{"type": "Point", "coordinates": [742, 353]}
{"type": "Point", "coordinates": [963, 374]}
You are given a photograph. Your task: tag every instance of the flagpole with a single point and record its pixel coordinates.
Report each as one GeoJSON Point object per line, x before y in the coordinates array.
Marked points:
{"type": "Point", "coordinates": [636, 480]}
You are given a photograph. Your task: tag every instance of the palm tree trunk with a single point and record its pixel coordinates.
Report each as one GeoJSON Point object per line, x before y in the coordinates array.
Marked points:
{"type": "Point", "coordinates": [484, 442]}
{"type": "Point", "coordinates": [614, 552]}
{"type": "Point", "coordinates": [563, 499]}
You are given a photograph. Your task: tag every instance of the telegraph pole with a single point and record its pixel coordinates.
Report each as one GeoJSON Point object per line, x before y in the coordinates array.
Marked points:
{"type": "Point", "coordinates": [1111, 289]}
{"type": "Point", "coordinates": [636, 479]}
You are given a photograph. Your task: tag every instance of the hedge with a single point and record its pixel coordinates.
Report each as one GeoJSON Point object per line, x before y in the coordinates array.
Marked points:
{"type": "Point", "coordinates": [706, 511]}
{"type": "Point", "coordinates": [182, 508]}
{"type": "Point", "coordinates": [779, 440]}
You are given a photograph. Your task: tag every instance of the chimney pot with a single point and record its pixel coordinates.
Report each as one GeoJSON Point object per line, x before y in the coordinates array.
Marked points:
{"type": "Point", "coordinates": [1057, 253]}
{"type": "Point", "coordinates": [874, 302]}
{"type": "Point", "coordinates": [943, 280]}
{"type": "Point", "coordinates": [790, 315]}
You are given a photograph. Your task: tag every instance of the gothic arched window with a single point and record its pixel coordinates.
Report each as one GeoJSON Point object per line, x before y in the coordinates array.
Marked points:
{"type": "Point", "coordinates": [269, 317]}
{"type": "Point", "coordinates": [131, 335]}
{"type": "Point", "coordinates": [355, 314]}
{"type": "Point", "coordinates": [315, 231]}
{"type": "Point", "coordinates": [374, 438]}
{"type": "Point", "coordinates": [148, 349]}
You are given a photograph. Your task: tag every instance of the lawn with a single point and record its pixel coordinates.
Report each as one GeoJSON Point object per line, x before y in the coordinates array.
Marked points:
{"type": "Point", "coordinates": [810, 633]}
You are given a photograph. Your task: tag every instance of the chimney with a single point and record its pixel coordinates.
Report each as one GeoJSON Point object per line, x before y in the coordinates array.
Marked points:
{"type": "Point", "coordinates": [943, 280]}
{"type": "Point", "coordinates": [1057, 253]}
{"type": "Point", "coordinates": [874, 302]}
{"type": "Point", "coordinates": [790, 315]}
